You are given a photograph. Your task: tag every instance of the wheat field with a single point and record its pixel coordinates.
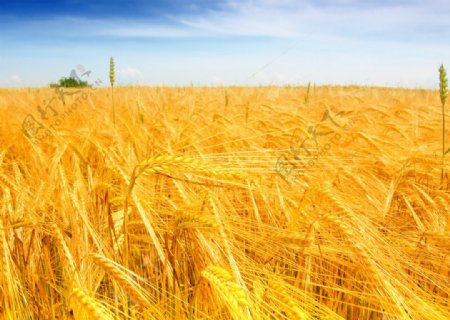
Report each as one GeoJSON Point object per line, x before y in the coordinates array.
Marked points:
{"type": "Point", "coordinates": [223, 203]}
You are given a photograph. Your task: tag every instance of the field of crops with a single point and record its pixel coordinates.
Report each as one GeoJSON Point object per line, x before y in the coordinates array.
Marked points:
{"type": "Point", "coordinates": [223, 203]}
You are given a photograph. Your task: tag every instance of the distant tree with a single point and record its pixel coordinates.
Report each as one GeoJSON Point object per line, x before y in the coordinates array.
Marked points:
{"type": "Point", "coordinates": [70, 82]}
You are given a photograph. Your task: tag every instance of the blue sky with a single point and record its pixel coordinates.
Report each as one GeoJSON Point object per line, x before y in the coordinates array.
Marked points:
{"type": "Point", "coordinates": [259, 42]}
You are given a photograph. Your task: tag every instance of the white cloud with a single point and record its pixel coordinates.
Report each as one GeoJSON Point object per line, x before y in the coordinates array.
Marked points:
{"type": "Point", "coordinates": [141, 30]}
{"type": "Point", "coordinates": [112, 27]}
{"type": "Point", "coordinates": [130, 75]}
{"type": "Point", "coordinates": [273, 18]}
{"type": "Point", "coordinates": [130, 72]}
{"type": "Point", "coordinates": [344, 18]}
{"type": "Point", "coordinates": [13, 80]}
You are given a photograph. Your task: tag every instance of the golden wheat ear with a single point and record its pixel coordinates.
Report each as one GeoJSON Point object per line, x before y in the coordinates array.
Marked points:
{"type": "Point", "coordinates": [122, 279]}
{"type": "Point", "coordinates": [88, 304]}
{"type": "Point", "coordinates": [223, 283]}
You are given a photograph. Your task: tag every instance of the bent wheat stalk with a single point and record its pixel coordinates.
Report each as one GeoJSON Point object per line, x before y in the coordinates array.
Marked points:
{"type": "Point", "coordinates": [122, 279]}
{"type": "Point", "coordinates": [88, 304]}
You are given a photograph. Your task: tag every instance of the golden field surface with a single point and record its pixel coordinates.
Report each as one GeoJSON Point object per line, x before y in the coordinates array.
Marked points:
{"type": "Point", "coordinates": [223, 203]}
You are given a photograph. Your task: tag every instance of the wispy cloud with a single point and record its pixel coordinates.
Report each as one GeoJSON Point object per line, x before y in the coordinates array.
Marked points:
{"type": "Point", "coordinates": [261, 41]}
{"type": "Point", "coordinates": [397, 19]}
{"type": "Point", "coordinates": [130, 74]}
{"type": "Point", "coordinates": [13, 80]}
{"type": "Point", "coordinates": [344, 18]}
{"type": "Point", "coordinates": [81, 27]}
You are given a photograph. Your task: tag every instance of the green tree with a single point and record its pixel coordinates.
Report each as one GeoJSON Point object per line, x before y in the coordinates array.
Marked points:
{"type": "Point", "coordinates": [70, 83]}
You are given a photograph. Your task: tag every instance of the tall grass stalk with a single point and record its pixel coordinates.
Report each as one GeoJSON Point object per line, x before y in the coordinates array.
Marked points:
{"type": "Point", "coordinates": [226, 101]}
{"type": "Point", "coordinates": [307, 94]}
{"type": "Point", "coordinates": [443, 93]}
{"type": "Point", "coordinates": [111, 81]}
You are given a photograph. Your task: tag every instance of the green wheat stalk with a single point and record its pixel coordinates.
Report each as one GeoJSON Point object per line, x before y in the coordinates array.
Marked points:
{"type": "Point", "coordinates": [111, 81]}
{"type": "Point", "coordinates": [443, 93]}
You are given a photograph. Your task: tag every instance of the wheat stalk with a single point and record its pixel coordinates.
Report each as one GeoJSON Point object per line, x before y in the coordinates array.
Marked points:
{"type": "Point", "coordinates": [89, 304]}
{"type": "Point", "coordinates": [292, 308]}
{"type": "Point", "coordinates": [307, 94]}
{"type": "Point", "coordinates": [112, 79]}
{"type": "Point", "coordinates": [170, 162]}
{"type": "Point", "coordinates": [123, 280]}
{"type": "Point", "coordinates": [232, 293]}
{"type": "Point", "coordinates": [443, 93]}
{"type": "Point", "coordinates": [357, 240]}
